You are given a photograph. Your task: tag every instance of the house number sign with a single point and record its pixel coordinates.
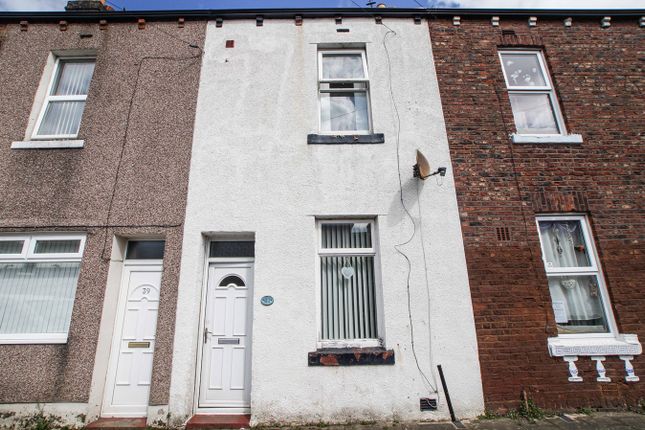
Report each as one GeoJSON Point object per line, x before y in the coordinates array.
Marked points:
{"type": "Point", "coordinates": [267, 300]}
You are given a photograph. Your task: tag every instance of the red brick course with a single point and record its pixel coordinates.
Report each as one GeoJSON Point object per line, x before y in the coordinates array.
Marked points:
{"type": "Point", "coordinates": [599, 78]}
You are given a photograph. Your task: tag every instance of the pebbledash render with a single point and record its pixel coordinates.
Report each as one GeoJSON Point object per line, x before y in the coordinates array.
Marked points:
{"type": "Point", "coordinates": [95, 140]}
{"type": "Point", "coordinates": [545, 124]}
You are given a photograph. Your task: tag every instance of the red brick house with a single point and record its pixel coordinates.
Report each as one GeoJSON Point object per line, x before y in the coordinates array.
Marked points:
{"type": "Point", "coordinates": [544, 112]}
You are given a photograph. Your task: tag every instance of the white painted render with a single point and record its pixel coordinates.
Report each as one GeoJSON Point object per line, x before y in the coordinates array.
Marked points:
{"type": "Point", "coordinates": [253, 172]}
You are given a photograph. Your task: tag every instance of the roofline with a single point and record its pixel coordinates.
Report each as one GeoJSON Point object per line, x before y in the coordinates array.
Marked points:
{"type": "Point", "coordinates": [307, 13]}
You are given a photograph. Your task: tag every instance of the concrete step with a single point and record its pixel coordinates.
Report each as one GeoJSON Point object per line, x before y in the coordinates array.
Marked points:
{"type": "Point", "coordinates": [212, 422]}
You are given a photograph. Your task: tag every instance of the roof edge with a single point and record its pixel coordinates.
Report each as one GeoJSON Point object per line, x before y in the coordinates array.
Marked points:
{"type": "Point", "coordinates": [307, 13]}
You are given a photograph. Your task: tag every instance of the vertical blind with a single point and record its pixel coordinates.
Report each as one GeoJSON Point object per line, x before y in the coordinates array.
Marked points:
{"type": "Point", "coordinates": [37, 297]}
{"type": "Point", "coordinates": [66, 102]}
{"type": "Point", "coordinates": [348, 296]}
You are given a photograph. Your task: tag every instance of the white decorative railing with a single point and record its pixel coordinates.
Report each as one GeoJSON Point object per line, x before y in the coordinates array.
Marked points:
{"type": "Point", "coordinates": [571, 349]}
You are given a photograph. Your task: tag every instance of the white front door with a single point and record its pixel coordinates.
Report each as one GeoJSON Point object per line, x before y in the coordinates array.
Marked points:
{"type": "Point", "coordinates": [128, 383]}
{"type": "Point", "coordinates": [225, 380]}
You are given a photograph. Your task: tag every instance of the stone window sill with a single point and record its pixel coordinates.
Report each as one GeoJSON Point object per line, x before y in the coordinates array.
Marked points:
{"type": "Point", "coordinates": [346, 139]}
{"type": "Point", "coordinates": [565, 138]}
{"type": "Point", "coordinates": [626, 344]}
{"type": "Point", "coordinates": [48, 144]}
{"type": "Point", "coordinates": [351, 357]}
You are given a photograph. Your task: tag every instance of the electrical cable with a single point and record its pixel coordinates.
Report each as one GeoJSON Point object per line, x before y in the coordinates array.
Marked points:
{"type": "Point", "coordinates": [397, 247]}
{"type": "Point", "coordinates": [129, 114]}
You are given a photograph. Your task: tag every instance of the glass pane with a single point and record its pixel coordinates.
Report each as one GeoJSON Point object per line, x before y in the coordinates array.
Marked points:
{"type": "Point", "coordinates": [145, 250]}
{"type": "Point", "coordinates": [232, 279]}
{"type": "Point", "coordinates": [564, 244]}
{"type": "Point", "coordinates": [74, 78]}
{"type": "Point", "coordinates": [231, 248]}
{"type": "Point", "coordinates": [347, 235]}
{"type": "Point", "coordinates": [343, 111]}
{"type": "Point", "coordinates": [523, 70]}
{"type": "Point", "coordinates": [348, 298]}
{"type": "Point", "coordinates": [37, 297]}
{"type": "Point", "coordinates": [62, 118]}
{"type": "Point", "coordinates": [57, 246]}
{"type": "Point", "coordinates": [11, 246]}
{"type": "Point", "coordinates": [533, 114]}
{"type": "Point", "coordinates": [342, 66]}
{"type": "Point", "coordinates": [577, 304]}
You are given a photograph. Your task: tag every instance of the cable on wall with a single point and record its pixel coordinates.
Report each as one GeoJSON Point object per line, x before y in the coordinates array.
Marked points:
{"type": "Point", "coordinates": [124, 140]}
{"type": "Point", "coordinates": [397, 247]}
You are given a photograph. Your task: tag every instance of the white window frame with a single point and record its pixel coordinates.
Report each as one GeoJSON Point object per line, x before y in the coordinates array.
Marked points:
{"type": "Point", "coordinates": [27, 255]}
{"type": "Point", "coordinates": [593, 270]}
{"type": "Point", "coordinates": [52, 98]}
{"type": "Point", "coordinates": [378, 295]}
{"type": "Point", "coordinates": [364, 80]}
{"type": "Point", "coordinates": [547, 89]}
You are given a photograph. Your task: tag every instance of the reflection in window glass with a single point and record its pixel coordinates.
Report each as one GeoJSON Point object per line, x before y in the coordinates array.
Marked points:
{"type": "Point", "coordinates": [577, 304]}
{"type": "Point", "coordinates": [343, 111]}
{"type": "Point", "coordinates": [533, 114]}
{"type": "Point", "coordinates": [523, 70]}
{"type": "Point", "coordinates": [342, 66]}
{"type": "Point", "coordinates": [564, 244]}
{"type": "Point", "coordinates": [57, 246]}
{"type": "Point", "coordinates": [11, 246]}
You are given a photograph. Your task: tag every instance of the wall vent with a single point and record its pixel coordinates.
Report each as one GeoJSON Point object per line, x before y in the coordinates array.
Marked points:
{"type": "Point", "coordinates": [503, 234]}
{"type": "Point", "coordinates": [428, 404]}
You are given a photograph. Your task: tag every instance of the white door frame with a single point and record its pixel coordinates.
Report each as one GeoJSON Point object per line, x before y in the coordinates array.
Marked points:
{"type": "Point", "coordinates": [243, 261]}
{"type": "Point", "coordinates": [110, 379]}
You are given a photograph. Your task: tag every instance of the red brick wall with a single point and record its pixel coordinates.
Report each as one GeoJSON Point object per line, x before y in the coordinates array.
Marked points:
{"type": "Point", "coordinates": [599, 78]}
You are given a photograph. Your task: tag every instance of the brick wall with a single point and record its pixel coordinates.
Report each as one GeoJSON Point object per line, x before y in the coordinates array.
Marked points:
{"type": "Point", "coordinates": [599, 79]}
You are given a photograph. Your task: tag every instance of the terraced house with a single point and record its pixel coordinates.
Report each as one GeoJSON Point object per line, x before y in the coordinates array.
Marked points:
{"type": "Point", "coordinates": [228, 218]}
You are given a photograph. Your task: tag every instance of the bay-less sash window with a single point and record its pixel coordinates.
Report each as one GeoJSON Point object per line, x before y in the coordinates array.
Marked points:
{"type": "Point", "coordinates": [348, 286]}
{"type": "Point", "coordinates": [343, 87]}
{"type": "Point", "coordinates": [578, 296]}
{"type": "Point", "coordinates": [60, 117]}
{"type": "Point", "coordinates": [38, 277]}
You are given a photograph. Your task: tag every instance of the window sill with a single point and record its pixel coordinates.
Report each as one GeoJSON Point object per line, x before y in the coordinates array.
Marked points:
{"type": "Point", "coordinates": [565, 138]}
{"type": "Point", "coordinates": [333, 139]}
{"type": "Point", "coordinates": [625, 344]}
{"type": "Point", "coordinates": [48, 144]}
{"type": "Point", "coordinates": [35, 339]}
{"type": "Point", "coordinates": [351, 357]}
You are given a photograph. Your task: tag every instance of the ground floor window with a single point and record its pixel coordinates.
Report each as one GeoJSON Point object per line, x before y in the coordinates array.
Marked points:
{"type": "Point", "coordinates": [578, 295]}
{"type": "Point", "coordinates": [38, 276]}
{"type": "Point", "coordinates": [348, 282]}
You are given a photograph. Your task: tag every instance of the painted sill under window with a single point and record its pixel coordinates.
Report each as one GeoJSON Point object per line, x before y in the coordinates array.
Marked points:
{"type": "Point", "coordinates": [347, 139]}
{"type": "Point", "coordinates": [48, 144]}
{"type": "Point", "coordinates": [535, 138]}
{"type": "Point", "coordinates": [34, 339]}
{"type": "Point", "coordinates": [351, 357]}
{"type": "Point", "coordinates": [624, 344]}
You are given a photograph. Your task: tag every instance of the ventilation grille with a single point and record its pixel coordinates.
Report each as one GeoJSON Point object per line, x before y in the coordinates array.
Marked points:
{"type": "Point", "coordinates": [428, 404]}
{"type": "Point", "coordinates": [503, 234]}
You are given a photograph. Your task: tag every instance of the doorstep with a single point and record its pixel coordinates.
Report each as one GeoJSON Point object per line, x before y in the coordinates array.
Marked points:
{"type": "Point", "coordinates": [118, 424]}
{"type": "Point", "coordinates": [208, 422]}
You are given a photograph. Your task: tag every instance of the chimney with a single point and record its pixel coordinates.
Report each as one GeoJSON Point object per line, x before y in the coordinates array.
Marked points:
{"type": "Point", "coordinates": [87, 6]}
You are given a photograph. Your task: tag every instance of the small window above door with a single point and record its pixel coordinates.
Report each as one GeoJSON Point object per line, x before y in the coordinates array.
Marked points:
{"type": "Point", "coordinates": [145, 250]}
{"type": "Point", "coordinates": [232, 249]}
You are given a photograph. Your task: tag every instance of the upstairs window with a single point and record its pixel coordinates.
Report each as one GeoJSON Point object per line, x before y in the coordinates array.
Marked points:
{"type": "Point", "coordinates": [535, 106]}
{"type": "Point", "coordinates": [61, 113]}
{"type": "Point", "coordinates": [343, 87]}
{"type": "Point", "coordinates": [38, 276]}
{"type": "Point", "coordinates": [578, 295]}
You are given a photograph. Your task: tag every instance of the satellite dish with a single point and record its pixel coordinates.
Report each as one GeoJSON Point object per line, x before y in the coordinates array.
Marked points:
{"type": "Point", "coordinates": [422, 168]}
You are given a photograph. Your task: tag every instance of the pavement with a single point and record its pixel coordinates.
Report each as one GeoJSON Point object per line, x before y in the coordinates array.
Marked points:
{"type": "Point", "coordinates": [593, 421]}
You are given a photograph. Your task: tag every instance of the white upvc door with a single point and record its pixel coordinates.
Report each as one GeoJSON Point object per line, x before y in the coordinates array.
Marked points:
{"type": "Point", "coordinates": [127, 387]}
{"type": "Point", "coordinates": [225, 379]}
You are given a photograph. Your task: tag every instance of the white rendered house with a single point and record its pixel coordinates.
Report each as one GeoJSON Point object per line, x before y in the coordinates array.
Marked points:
{"type": "Point", "coordinates": [315, 267]}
